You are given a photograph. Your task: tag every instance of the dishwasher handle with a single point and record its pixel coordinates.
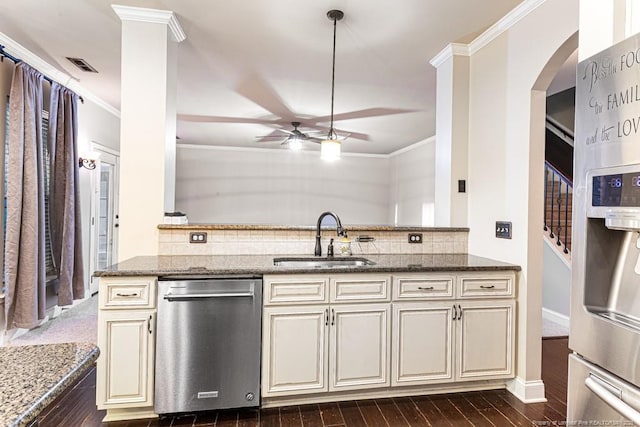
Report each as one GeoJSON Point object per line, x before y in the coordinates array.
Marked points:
{"type": "Point", "coordinates": [183, 297]}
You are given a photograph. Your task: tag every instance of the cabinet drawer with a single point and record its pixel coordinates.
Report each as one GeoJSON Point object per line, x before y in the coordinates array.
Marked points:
{"type": "Point", "coordinates": [359, 288]}
{"type": "Point", "coordinates": [307, 289]}
{"type": "Point", "coordinates": [486, 286]}
{"type": "Point", "coordinates": [421, 287]}
{"type": "Point", "coordinates": [130, 292]}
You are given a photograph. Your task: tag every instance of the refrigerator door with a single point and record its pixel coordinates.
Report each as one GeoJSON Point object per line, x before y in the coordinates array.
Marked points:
{"type": "Point", "coordinates": [598, 398]}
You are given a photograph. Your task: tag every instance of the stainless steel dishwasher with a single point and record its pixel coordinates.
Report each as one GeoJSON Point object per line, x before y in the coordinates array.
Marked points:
{"type": "Point", "coordinates": [208, 344]}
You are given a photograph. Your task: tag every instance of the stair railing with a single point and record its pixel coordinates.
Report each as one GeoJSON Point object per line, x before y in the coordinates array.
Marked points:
{"type": "Point", "coordinates": [558, 190]}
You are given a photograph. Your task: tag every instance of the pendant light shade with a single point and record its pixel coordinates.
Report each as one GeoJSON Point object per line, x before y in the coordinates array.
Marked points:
{"type": "Point", "coordinates": [330, 147]}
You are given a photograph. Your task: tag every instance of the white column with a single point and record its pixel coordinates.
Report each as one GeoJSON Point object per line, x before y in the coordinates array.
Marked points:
{"type": "Point", "coordinates": [148, 126]}
{"type": "Point", "coordinates": [603, 24]}
{"type": "Point", "coordinates": [452, 135]}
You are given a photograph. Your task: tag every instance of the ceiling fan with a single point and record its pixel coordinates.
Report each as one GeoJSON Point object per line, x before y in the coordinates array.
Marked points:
{"type": "Point", "coordinates": [294, 138]}
{"type": "Point", "coordinates": [255, 88]}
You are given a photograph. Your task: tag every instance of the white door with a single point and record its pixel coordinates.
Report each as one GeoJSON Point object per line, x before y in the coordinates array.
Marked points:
{"type": "Point", "coordinates": [294, 355]}
{"type": "Point", "coordinates": [104, 217]}
{"type": "Point", "coordinates": [422, 349]}
{"type": "Point", "coordinates": [359, 346]}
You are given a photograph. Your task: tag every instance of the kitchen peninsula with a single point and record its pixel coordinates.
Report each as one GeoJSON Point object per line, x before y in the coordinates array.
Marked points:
{"type": "Point", "coordinates": [417, 321]}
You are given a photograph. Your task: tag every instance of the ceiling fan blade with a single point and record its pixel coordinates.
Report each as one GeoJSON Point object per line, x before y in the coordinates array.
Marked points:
{"type": "Point", "coordinates": [273, 135]}
{"type": "Point", "coordinates": [221, 119]}
{"type": "Point", "coordinates": [361, 114]}
{"type": "Point", "coordinates": [256, 89]}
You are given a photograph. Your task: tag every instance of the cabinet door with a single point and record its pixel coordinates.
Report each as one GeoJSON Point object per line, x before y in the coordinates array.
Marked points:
{"type": "Point", "coordinates": [294, 353]}
{"type": "Point", "coordinates": [125, 371]}
{"type": "Point", "coordinates": [422, 349]}
{"type": "Point", "coordinates": [359, 346]}
{"type": "Point", "coordinates": [486, 340]}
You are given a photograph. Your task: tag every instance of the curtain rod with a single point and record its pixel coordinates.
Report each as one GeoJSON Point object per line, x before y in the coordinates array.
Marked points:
{"type": "Point", "coordinates": [5, 54]}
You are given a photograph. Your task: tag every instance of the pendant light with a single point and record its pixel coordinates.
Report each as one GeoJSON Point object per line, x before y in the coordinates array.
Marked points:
{"type": "Point", "coordinates": [330, 147]}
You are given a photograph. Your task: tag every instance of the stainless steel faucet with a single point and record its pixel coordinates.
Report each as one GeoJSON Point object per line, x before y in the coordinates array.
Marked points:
{"type": "Point", "coordinates": [339, 230]}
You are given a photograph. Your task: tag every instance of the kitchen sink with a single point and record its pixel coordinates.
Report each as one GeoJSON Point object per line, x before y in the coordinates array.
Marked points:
{"type": "Point", "coordinates": [324, 262]}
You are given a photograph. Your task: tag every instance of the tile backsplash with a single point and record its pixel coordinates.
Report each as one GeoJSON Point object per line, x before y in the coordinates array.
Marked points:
{"type": "Point", "coordinates": [245, 240]}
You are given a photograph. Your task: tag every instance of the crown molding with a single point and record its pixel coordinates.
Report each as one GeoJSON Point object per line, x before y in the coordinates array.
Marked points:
{"type": "Point", "coordinates": [451, 50]}
{"type": "Point", "coordinates": [303, 152]}
{"type": "Point", "coordinates": [272, 150]}
{"type": "Point", "coordinates": [413, 146]}
{"type": "Point", "coordinates": [154, 16]}
{"type": "Point", "coordinates": [504, 24]}
{"type": "Point", "coordinates": [490, 34]}
{"type": "Point", "coordinates": [24, 54]}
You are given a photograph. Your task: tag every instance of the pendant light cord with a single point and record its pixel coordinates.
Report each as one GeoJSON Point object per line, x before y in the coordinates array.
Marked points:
{"type": "Point", "coordinates": [333, 78]}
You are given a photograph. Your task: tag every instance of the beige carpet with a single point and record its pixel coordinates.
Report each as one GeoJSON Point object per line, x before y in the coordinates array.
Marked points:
{"type": "Point", "coordinates": [76, 324]}
{"type": "Point", "coordinates": [553, 329]}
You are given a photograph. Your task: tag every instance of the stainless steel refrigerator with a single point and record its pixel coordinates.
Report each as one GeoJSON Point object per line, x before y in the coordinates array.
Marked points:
{"type": "Point", "coordinates": [604, 368]}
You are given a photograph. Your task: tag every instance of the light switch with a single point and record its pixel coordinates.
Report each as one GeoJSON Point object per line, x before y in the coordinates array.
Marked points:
{"type": "Point", "coordinates": [503, 230]}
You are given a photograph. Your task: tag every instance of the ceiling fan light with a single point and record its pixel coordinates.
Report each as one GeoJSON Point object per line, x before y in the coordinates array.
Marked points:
{"type": "Point", "coordinates": [295, 144]}
{"type": "Point", "coordinates": [330, 149]}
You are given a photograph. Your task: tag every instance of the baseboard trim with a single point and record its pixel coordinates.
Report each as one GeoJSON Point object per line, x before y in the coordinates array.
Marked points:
{"type": "Point", "coordinates": [382, 393]}
{"type": "Point", "coordinates": [129, 414]}
{"type": "Point", "coordinates": [556, 317]}
{"type": "Point", "coordinates": [527, 391]}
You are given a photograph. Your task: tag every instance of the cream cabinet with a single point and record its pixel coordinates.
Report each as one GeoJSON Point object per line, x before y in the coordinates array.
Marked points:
{"type": "Point", "coordinates": [451, 329]}
{"type": "Point", "coordinates": [316, 346]}
{"type": "Point", "coordinates": [349, 332]}
{"type": "Point", "coordinates": [295, 350]}
{"type": "Point", "coordinates": [359, 346]}
{"type": "Point", "coordinates": [485, 340]}
{"type": "Point", "coordinates": [126, 338]}
{"type": "Point", "coordinates": [423, 343]}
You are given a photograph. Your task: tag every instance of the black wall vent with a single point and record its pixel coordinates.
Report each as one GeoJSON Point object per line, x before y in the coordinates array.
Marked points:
{"type": "Point", "coordinates": [82, 64]}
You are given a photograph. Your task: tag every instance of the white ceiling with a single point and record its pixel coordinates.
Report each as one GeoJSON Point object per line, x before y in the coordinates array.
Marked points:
{"type": "Point", "coordinates": [248, 67]}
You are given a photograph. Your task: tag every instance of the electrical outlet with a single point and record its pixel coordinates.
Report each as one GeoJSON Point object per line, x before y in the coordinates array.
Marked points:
{"type": "Point", "coordinates": [198, 237]}
{"type": "Point", "coordinates": [415, 237]}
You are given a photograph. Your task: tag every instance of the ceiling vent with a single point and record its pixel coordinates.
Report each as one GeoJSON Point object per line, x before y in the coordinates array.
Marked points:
{"type": "Point", "coordinates": [82, 64]}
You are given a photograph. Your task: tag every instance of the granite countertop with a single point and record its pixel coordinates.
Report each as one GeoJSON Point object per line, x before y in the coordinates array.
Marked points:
{"type": "Point", "coordinates": [349, 227]}
{"type": "Point", "coordinates": [263, 264]}
{"type": "Point", "coordinates": [34, 375]}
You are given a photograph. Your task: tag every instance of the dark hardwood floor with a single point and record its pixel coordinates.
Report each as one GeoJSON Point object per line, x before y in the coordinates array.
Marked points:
{"type": "Point", "coordinates": [487, 408]}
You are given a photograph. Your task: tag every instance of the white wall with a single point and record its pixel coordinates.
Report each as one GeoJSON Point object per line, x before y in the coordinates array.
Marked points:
{"type": "Point", "coordinates": [506, 153]}
{"type": "Point", "coordinates": [556, 281]}
{"type": "Point", "coordinates": [263, 186]}
{"type": "Point", "coordinates": [412, 185]}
